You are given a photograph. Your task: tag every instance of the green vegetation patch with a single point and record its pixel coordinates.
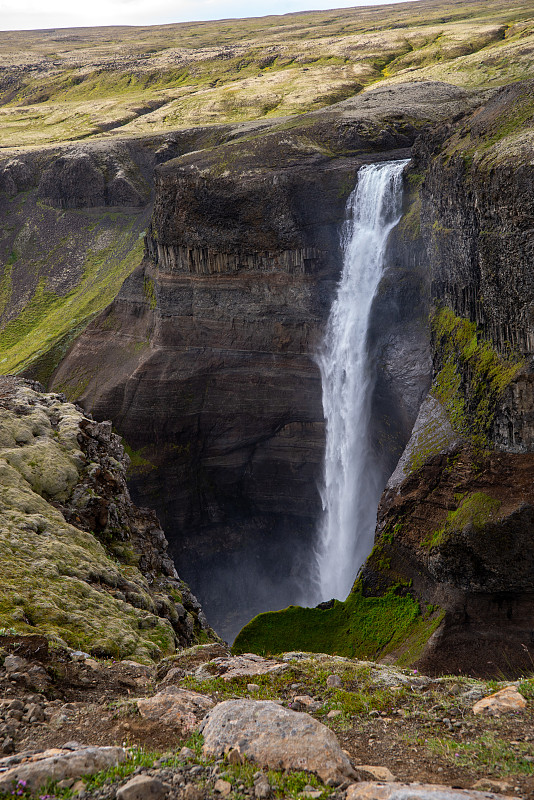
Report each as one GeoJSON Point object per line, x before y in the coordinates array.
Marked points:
{"type": "Point", "coordinates": [488, 751]}
{"type": "Point", "coordinates": [57, 579]}
{"type": "Point", "coordinates": [361, 627]}
{"type": "Point", "coordinates": [474, 510]}
{"type": "Point", "coordinates": [37, 338]}
{"type": "Point", "coordinates": [473, 375]}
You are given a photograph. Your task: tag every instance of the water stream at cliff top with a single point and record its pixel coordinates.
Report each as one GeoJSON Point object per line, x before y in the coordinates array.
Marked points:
{"type": "Point", "coordinates": [352, 476]}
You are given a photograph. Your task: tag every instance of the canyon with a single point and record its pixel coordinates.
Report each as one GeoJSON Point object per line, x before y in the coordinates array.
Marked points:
{"type": "Point", "coordinates": [177, 281]}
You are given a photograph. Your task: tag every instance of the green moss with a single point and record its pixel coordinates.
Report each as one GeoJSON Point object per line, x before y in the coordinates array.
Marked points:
{"type": "Point", "coordinates": [413, 646]}
{"type": "Point", "coordinates": [150, 292]}
{"type": "Point", "coordinates": [361, 627]}
{"type": "Point", "coordinates": [57, 579]}
{"type": "Point", "coordinates": [49, 322]}
{"type": "Point", "coordinates": [139, 465]}
{"type": "Point", "coordinates": [6, 285]}
{"type": "Point", "coordinates": [473, 376]}
{"type": "Point", "coordinates": [474, 510]}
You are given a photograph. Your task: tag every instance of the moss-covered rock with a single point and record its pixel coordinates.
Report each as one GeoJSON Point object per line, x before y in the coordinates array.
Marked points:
{"type": "Point", "coordinates": [360, 627]}
{"type": "Point", "coordinates": [78, 561]}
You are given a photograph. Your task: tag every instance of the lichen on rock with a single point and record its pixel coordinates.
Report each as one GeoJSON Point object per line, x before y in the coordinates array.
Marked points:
{"type": "Point", "coordinates": [79, 561]}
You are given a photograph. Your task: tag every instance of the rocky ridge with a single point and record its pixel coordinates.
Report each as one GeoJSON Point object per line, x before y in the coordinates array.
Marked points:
{"type": "Point", "coordinates": [79, 561]}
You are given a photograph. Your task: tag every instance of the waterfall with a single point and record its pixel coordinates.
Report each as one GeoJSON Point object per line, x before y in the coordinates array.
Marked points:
{"type": "Point", "coordinates": [352, 477]}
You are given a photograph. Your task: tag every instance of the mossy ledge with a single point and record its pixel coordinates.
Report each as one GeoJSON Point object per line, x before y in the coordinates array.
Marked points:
{"type": "Point", "coordinates": [359, 627]}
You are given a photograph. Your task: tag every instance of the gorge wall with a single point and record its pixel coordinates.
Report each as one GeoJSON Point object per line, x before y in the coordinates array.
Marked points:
{"type": "Point", "coordinates": [205, 361]}
{"type": "Point", "coordinates": [455, 523]}
{"type": "Point", "coordinates": [457, 516]}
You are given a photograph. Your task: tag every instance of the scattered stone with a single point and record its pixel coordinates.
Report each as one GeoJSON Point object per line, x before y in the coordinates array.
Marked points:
{"type": "Point", "coordinates": [336, 712]}
{"type": "Point", "coordinates": [142, 787]}
{"type": "Point", "coordinates": [505, 701]}
{"type": "Point", "coordinates": [413, 791]}
{"type": "Point", "coordinates": [229, 667]}
{"type": "Point", "coordinates": [234, 756]}
{"type": "Point", "coordinates": [175, 706]}
{"type": "Point", "coordinates": [192, 657]}
{"type": "Point", "coordinates": [8, 745]}
{"type": "Point", "coordinates": [57, 765]}
{"type": "Point", "coordinates": [15, 664]}
{"type": "Point", "coordinates": [223, 787]}
{"type": "Point", "coordinates": [379, 773]}
{"type": "Point", "coordinates": [275, 737]}
{"type": "Point", "coordinates": [192, 792]}
{"type": "Point", "coordinates": [173, 676]}
{"type": "Point", "coordinates": [186, 752]}
{"type": "Point", "coordinates": [303, 702]}
{"type": "Point", "coordinates": [296, 655]}
{"type": "Point", "coordinates": [487, 785]}
{"type": "Point", "coordinates": [253, 687]}
{"type": "Point", "coordinates": [334, 682]}
{"type": "Point", "coordinates": [262, 788]}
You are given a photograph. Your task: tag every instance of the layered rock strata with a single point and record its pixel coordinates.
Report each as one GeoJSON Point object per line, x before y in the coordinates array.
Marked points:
{"type": "Point", "coordinates": [206, 358]}
{"type": "Point", "coordinates": [456, 522]}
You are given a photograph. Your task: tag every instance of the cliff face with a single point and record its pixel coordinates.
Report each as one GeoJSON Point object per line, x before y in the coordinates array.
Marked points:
{"type": "Point", "coordinates": [206, 358]}
{"type": "Point", "coordinates": [79, 561]}
{"type": "Point", "coordinates": [456, 520]}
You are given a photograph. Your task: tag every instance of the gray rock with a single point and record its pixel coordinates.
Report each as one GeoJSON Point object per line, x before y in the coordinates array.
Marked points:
{"type": "Point", "coordinates": [175, 706]}
{"type": "Point", "coordinates": [413, 791]}
{"type": "Point", "coordinates": [15, 664]}
{"type": "Point", "coordinates": [275, 737]}
{"type": "Point", "coordinates": [248, 664]}
{"type": "Point", "coordinates": [262, 788]}
{"type": "Point", "coordinates": [223, 787]}
{"type": "Point", "coordinates": [142, 787]}
{"type": "Point", "coordinates": [57, 765]}
{"type": "Point", "coordinates": [334, 682]}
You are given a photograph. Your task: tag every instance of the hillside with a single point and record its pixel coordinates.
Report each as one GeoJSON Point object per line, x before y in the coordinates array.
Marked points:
{"type": "Point", "coordinates": [77, 84]}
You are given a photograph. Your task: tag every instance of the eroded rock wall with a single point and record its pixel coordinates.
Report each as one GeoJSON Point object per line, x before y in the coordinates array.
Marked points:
{"type": "Point", "coordinates": [455, 525]}
{"type": "Point", "coordinates": [205, 361]}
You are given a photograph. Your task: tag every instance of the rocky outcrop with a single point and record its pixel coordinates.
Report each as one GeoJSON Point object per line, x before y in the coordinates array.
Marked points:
{"type": "Point", "coordinates": [456, 521]}
{"type": "Point", "coordinates": [105, 580]}
{"type": "Point", "coordinates": [206, 358]}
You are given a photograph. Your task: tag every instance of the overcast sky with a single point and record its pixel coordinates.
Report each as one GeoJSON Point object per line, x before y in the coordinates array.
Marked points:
{"type": "Point", "coordinates": [33, 14]}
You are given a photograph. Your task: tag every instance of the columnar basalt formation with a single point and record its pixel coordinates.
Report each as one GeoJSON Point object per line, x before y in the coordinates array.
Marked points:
{"type": "Point", "coordinates": [205, 361]}
{"type": "Point", "coordinates": [456, 522]}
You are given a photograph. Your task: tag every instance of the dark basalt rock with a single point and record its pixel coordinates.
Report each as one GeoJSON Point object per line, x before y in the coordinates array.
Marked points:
{"type": "Point", "coordinates": [455, 524]}
{"type": "Point", "coordinates": [206, 358]}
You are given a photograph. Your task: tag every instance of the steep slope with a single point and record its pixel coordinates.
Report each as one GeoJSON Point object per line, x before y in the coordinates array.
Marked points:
{"type": "Point", "coordinates": [79, 561]}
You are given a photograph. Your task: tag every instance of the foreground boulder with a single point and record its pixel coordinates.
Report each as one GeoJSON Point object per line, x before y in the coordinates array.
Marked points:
{"type": "Point", "coordinates": [32, 770]}
{"type": "Point", "coordinates": [414, 791]}
{"type": "Point", "coordinates": [505, 701]}
{"type": "Point", "coordinates": [275, 737]}
{"type": "Point", "coordinates": [176, 707]}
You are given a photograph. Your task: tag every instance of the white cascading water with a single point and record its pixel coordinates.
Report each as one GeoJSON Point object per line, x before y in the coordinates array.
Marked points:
{"type": "Point", "coordinates": [352, 476]}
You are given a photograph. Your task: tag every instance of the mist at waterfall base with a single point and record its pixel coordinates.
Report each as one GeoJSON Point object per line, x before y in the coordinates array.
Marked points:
{"type": "Point", "coordinates": [353, 476]}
